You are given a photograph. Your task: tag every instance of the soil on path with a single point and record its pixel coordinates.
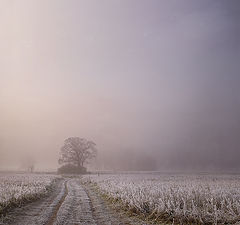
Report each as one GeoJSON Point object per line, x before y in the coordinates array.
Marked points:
{"type": "Point", "coordinates": [70, 204]}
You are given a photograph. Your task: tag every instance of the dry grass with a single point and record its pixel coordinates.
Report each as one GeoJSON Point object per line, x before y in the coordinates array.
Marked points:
{"type": "Point", "coordinates": [182, 199]}
{"type": "Point", "coordinates": [16, 190]}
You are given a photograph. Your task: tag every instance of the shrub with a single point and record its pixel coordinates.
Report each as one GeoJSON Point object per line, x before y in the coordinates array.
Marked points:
{"type": "Point", "coordinates": [71, 169]}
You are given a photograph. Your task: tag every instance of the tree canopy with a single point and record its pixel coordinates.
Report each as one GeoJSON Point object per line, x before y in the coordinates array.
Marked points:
{"type": "Point", "coordinates": [77, 151]}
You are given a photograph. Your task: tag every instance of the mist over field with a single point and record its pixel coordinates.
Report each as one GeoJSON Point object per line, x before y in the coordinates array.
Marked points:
{"type": "Point", "coordinates": [154, 83]}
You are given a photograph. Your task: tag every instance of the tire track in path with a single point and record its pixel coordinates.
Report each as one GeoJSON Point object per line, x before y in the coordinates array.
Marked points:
{"type": "Point", "coordinates": [76, 209]}
{"type": "Point", "coordinates": [54, 214]}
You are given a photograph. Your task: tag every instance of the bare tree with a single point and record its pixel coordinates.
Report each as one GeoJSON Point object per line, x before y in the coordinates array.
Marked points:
{"type": "Point", "coordinates": [28, 163]}
{"type": "Point", "coordinates": [77, 151]}
{"type": "Point", "coordinates": [31, 168]}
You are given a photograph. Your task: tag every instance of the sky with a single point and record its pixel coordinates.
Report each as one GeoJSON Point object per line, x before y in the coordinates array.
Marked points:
{"type": "Point", "coordinates": [154, 83]}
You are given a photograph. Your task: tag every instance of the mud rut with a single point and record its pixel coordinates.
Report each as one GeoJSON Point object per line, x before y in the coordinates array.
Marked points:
{"type": "Point", "coordinates": [69, 204]}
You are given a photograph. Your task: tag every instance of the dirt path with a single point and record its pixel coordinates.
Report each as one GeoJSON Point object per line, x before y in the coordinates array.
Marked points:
{"type": "Point", "coordinates": [70, 204]}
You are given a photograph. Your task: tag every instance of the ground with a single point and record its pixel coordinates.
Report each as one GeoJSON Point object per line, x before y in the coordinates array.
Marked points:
{"type": "Point", "coordinates": [70, 203]}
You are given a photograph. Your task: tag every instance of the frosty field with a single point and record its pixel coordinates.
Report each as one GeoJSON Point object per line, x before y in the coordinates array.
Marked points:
{"type": "Point", "coordinates": [153, 197]}
{"type": "Point", "coordinates": [201, 199]}
{"type": "Point", "coordinates": [15, 189]}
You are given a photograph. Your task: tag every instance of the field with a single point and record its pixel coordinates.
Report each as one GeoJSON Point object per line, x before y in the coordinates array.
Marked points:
{"type": "Point", "coordinates": [153, 197]}
{"type": "Point", "coordinates": [199, 199]}
{"type": "Point", "coordinates": [16, 189]}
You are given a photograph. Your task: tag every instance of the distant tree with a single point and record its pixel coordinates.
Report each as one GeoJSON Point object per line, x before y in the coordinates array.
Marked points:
{"type": "Point", "coordinates": [77, 151]}
{"type": "Point", "coordinates": [28, 164]}
{"type": "Point", "coordinates": [31, 168]}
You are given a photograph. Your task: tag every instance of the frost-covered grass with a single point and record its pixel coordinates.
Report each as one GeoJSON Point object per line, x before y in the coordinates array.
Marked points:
{"type": "Point", "coordinates": [16, 189]}
{"type": "Point", "coordinates": [184, 199]}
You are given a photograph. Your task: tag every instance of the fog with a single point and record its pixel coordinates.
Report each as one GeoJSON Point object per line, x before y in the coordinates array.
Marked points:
{"type": "Point", "coordinates": [154, 83]}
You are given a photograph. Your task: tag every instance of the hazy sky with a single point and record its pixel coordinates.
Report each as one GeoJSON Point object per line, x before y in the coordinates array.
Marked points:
{"type": "Point", "coordinates": [153, 76]}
